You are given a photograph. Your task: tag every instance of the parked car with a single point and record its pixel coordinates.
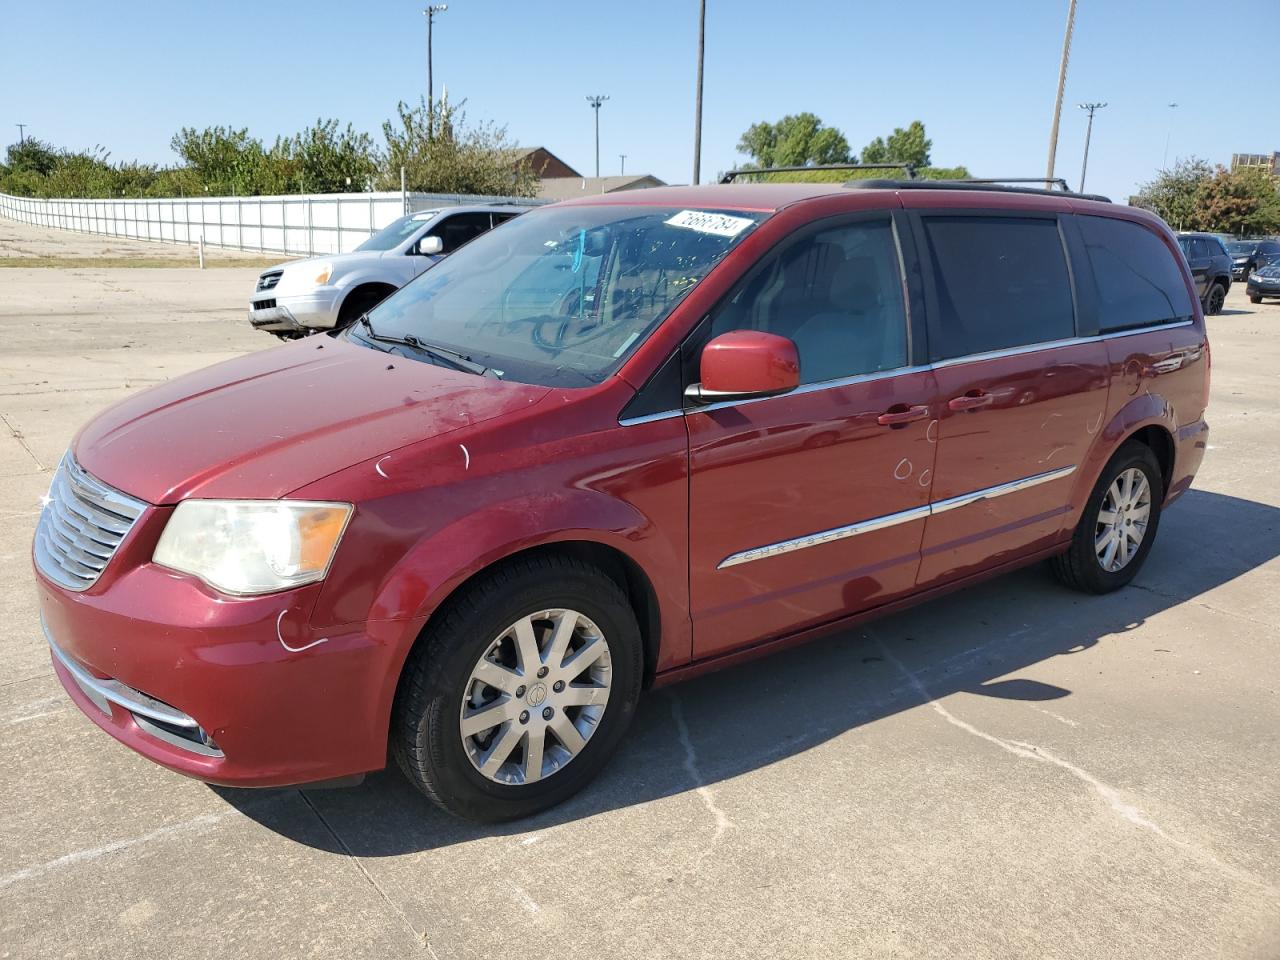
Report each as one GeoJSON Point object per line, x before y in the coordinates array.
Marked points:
{"type": "Point", "coordinates": [320, 293]}
{"type": "Point", "coordinates": [1210, 268]}
{"type": "Point", "coordinates": [1264, 282]}
{"type": "Point", "coordinates": [1248, 255]}
{"type": "Point", "coordinates": [616, 443]}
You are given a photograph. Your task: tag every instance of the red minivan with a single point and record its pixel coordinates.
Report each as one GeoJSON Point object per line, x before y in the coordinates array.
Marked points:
{"type": "Point", "coordinates": [612, 443]}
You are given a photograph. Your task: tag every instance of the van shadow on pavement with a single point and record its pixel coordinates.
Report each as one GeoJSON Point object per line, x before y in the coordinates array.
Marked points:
{"type": "Point", "coordinates": [737, 720]}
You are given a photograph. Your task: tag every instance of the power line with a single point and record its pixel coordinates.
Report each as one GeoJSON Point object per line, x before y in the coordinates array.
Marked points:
{"type": "Point", "coordinates": [1092, 108]}
{"type": "Point", "coordinates": [596, 102]}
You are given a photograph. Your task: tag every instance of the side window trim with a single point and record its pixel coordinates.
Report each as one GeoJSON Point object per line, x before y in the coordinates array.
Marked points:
{"type": "Point", "coordinates": [930, 272]}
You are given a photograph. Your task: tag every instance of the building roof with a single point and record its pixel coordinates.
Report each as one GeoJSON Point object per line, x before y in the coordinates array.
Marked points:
{"type": "Point", "coordinates": [543, 162]}
{"type": "Point", "coordinates": [567, 188]}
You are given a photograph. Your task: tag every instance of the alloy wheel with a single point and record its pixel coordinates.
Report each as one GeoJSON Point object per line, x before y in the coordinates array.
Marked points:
{"type": "Point", "coordinates": [1217, 297]}
{"type": "Point", "coordinates": [1122, 520]}
{"type": "Point", "coordinates": [536, 696]}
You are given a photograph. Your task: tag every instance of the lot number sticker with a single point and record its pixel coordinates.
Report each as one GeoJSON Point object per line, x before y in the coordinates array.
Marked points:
{"type": "Point", "coordinates": [714, 223]}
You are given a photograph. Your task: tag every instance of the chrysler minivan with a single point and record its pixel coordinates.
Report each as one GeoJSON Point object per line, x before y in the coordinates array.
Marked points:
{"type": "Point", "coordinates": [608, 445]}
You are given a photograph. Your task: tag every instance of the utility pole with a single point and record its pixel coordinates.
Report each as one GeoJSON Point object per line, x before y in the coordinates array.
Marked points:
{"type": "Point", "coordinates": [22, 133]}
{"type": "Point", "coordinates": [697, 103]}
{"type": "Point", "coordinates": [623, 171]}
{"type": "Point", "coordinates": [1062, 85]}
{"type": "Point", "coordinates": [595, 105]}
{"type": "Point", "coordinates": [1088, 135]}
{"type": "Point", "coordinates": [430, 14]}
{"type": "Point", "coordinates": [1165, 164]}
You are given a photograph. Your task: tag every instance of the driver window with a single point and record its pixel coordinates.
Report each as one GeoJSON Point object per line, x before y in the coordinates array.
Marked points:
{"type": "Point", "coordinates": [837, 293]}
{"type": "Point", "coordinates": [458, 229]}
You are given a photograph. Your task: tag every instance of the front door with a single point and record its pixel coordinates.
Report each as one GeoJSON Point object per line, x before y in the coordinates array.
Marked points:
{"type": "Point", "coordinates": [811, 505]}
{"type": "Point", "coordinates": [1021, 394]}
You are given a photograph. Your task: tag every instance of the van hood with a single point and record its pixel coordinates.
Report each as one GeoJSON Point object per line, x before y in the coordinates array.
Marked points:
{"type": "Point", "coordinates": [265, 424]}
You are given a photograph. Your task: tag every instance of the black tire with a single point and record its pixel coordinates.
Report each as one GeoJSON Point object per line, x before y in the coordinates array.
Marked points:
{"type": "Point", "coordinates": [1254, 299]}
{"type": "Point", "coordinates": [1080, 567]}
{"type": "Point", "coordinates": [1215, 298]}
{"type": "Point", "coordinates": [426, 737]}
{"type": "Point", "coordinates": [359, 302]}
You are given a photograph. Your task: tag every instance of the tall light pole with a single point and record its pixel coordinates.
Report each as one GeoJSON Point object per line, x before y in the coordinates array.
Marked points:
{"type": "Point", "coordinates": [430, 14]}
{"type": "Point", "coordinates": [697, 102]}
{"type": "Point", "coordinates": [22, 132]}
{"type": "Point", "coordinates": [1088, 134]}
{"type": "Point", "coordinates": [1165, 163]}
{"type": "Point", "coordinates": [595, 105]}
{"type": "Point", "coordinates": [622, 171]}
{"type": "Point", "coordinates": [1062, 86]}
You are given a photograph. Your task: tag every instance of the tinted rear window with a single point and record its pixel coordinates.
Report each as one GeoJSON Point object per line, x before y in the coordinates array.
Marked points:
{"type": "Point", "coordinates": [1000, 281]}
{"type": "Point", "coordinates": [1138, 279]}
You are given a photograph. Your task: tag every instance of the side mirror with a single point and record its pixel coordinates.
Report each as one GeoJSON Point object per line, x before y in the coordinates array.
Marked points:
{"type": "Point", "coordinates": [430, 246]}
{"type": "Point", "coordinates": [744, 364]}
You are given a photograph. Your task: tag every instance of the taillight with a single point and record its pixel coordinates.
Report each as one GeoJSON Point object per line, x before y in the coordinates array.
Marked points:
{"type": "Point", "coordinates": [1208, 370]}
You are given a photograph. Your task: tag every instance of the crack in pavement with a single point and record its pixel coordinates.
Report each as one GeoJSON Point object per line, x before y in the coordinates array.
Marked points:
{"type": "Point", "coordinates": [17, 435]}
{"type": "Point", "coordinates": [695, 774]}
{"type": "Point", "coordinates": [1110, 795]}
{"type": "Point", "coordinates": [419, 937]}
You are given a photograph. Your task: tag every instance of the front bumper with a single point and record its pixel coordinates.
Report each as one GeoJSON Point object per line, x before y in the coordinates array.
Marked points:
{"type": "Point", "coordinates": [1255, 289]}
{"type": "Point", "coordinates": [295, 314]}
{"type": "Point", "coordinates": [1239, 272]}
{"type": "Point", "coordinates": [234, 691]}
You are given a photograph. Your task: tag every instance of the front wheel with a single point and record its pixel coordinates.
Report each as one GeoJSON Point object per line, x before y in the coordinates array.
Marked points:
{"type": "Point", "coordinates": [516, 698]}
{"type": "Point", "coordinates": [1118, 525]}
{"type": "Point", "coordinates": [1254, 299]}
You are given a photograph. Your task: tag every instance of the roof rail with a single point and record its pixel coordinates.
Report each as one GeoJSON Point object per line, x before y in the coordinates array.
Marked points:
{"type": "Point", "coordinates": [733, 174]}
{"type": "Point", "coordinates": [983, 184]}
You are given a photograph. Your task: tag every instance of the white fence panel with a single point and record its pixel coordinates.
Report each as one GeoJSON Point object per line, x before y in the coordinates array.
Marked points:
{"type": "Point", "coordinates": [307, 225]}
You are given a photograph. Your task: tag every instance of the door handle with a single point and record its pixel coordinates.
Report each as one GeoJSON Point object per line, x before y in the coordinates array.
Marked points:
{"type": "Point", "coordinates": [899, 415]}
{"type": "Point", "coordinates": [970, 401]}
{"type": "Point", "coordinates": [1167, 365]}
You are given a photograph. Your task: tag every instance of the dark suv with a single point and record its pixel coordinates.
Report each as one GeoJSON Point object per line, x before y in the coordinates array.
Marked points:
{"type": "Point", "coordinates": [1210, 268]}
{"type": "Point", "coordinates": [1248, 255]}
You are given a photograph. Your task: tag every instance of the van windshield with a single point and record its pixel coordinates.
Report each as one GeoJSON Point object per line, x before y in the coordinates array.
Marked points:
{"type": "Point", "coordinates": [561, 296]}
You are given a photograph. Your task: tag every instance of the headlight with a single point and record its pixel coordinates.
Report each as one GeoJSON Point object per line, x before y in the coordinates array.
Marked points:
{"type": "Point", "coordinates": [253, 546]}
{"type": "Point", "coordinates": [323, 276]}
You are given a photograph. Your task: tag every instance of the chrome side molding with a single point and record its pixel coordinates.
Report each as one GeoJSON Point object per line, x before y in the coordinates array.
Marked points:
{"type": "Point", "coordinates": [892, 519]}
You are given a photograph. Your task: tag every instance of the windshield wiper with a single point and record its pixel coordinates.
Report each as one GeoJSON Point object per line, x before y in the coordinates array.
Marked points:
{"type": "Point", "coordinates": [459, 361]}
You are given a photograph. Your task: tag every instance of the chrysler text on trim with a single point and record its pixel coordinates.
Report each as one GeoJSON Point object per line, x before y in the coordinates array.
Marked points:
{"type": "Point", "coordinates": [619, 441]}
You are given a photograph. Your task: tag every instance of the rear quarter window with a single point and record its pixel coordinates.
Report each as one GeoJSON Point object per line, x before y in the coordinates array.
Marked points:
{"type": "Point", "coordinates": [999, 282]}
{"type": "Point", "coordinates": [1137, 278]}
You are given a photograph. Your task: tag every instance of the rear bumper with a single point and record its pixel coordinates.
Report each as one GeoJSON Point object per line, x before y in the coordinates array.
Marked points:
{"type": "Point", "coordinates": [240, 692]}
{"type": "Point", "coordinates": [1190, 444]}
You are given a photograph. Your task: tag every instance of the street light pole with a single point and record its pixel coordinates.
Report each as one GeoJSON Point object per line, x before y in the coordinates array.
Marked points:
{"type": "Point", "coordinates": [1092, 108]}
{"type": "Point", "coordinates": [1062, 85]}
{"type": "Point", "coordinates": [22, 131]}
{"type": "Point", "coordinates": [430, 14]}
{"type": "Point", "coordinates": [622, 172]}
{"type": "Point", "coordinates": [595, 105]}
{"type": "Point", "coordinates": [697, 104]}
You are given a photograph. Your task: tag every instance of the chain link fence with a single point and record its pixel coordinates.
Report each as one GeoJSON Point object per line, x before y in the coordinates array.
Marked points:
{"type": "Point", "coordinates": [307, 225]}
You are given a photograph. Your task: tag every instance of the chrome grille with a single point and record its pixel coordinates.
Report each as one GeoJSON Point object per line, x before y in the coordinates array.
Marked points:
{"type": "Point", "coordinates": [81, 526]}
{"type": "Point", "coordinates": [268, 281]}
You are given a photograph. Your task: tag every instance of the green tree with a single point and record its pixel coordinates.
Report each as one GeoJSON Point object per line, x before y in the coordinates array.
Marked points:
{"type": "Point", "coordinates": [908, 145]}
{"type": "Point", "coordinates": [441, 153]}
{"type": "Point", "coordinates": [227, 161]}
{"type": "Point", "coordinates": [795, 140]}
{"type": "Point", "coordinates": [322, 159]}
{"type": "Point", "coordinates": [1173, 195]}
{"type": "Point", "coordinates": [1244, 202]}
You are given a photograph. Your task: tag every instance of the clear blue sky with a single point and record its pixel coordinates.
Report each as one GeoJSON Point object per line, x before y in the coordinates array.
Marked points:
{"type": "Point", "coordinates": [981, 75]}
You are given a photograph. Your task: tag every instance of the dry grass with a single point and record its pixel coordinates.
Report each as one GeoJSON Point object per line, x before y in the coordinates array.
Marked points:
{"type": "Point", "coordinates": [99, 263]}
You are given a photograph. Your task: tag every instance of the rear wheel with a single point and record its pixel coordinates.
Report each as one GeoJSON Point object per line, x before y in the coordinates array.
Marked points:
{"type": "Point", "coordinates": [516, 698]}
{"type": "Point", "coordinates": [1118, 525]}
{"type": "Point", "coordinates": [1216, 297]}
